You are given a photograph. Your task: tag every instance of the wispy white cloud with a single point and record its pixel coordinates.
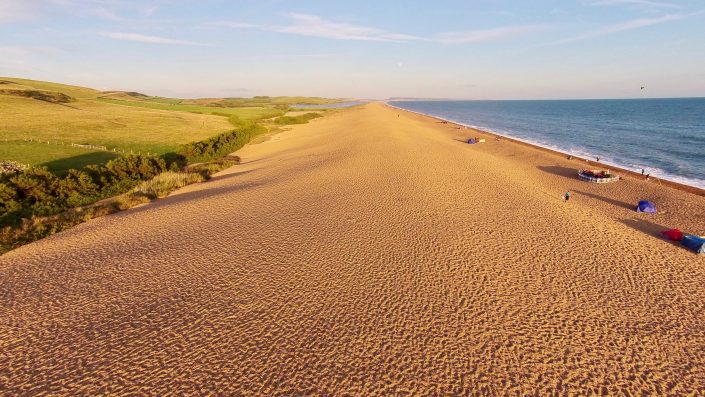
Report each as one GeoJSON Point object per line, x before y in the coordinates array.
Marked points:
{"type": "Point", "coordinates": [141, 38]}
{"type": "Point", "coordinates": [638, 3]}
{"type": "Point", "coordinates": [628, 25]}
{"type": "Point", "coordinates": [485, 35]}
{"type": "Point", "coordinates": [26, 59]}
{"type": "Point", "coordinates": [108, 14]}
{"type": "Point", "coordinates": [315, 26]}
{"type": "Point", "coordinates": [16, 10]}
{"type": "Point", "coordinates": [113, 10]}
{"type": "Point", "coordinates": [149, 11]}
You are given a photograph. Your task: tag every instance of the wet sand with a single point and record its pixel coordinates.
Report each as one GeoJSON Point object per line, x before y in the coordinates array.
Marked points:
{"type": "Point", "coordinates": [370, 252]}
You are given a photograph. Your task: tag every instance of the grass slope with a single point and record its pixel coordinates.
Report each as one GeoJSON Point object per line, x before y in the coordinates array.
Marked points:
{"type": "Point", "coordinates": [86, 120]}
{"type": "Point", "coordinates": [130, 122]}
{"type": "Point", "coordinates": [244, 113]}
{"type": "Point", "coordinates": [58, 158]}
{"type": "Point", "coordinates": [70, 90]}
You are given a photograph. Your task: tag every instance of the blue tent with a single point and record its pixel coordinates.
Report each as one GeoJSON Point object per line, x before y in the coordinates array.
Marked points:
{"type": "Point", "coordinates": [471, 140]}
{"type": "Point", "coordinates": [694, 243]}
{"type": "Point", "coordinates": [646, 206]}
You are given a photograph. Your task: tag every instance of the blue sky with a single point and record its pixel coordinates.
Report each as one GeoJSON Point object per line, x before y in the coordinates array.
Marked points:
{"type": "Point", "coordinates": [474, 49]}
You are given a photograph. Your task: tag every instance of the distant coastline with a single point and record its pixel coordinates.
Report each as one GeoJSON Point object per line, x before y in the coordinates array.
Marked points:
{"type": "Point", "coordinates": [622, 170]}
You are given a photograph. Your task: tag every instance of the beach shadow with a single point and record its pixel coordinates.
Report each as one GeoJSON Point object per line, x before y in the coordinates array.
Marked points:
{"type": "Point", "coordinates": [232, 186]}
{"type": "Point", "coordinates": [647, 227]}
{"type": "Point", "coordinates": [608, 200]}
{"type": "Point", "coordinates": [651, 229]}
{"type": "Point", "coordinates": [249, 162]}
{"type": "Point", "coordinates": [202, 194]}
{"type": "Point", "coordinates": [231, 175]}
{"type": "Point", "coordinates": [61, 166]}
{"type": "Point", "coordinates": [570, 173]}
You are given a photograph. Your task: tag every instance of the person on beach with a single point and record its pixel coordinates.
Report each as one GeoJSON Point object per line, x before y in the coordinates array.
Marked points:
{"type": "Point", "coordinates": [566, 196]}
{"type": "Point", "coordinates": [597, 159]}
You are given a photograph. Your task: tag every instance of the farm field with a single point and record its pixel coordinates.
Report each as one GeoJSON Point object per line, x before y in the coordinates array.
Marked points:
{"type": "Point", "coordinates": [85, 120]}
{"type": "Point", "coordinates": [57, 158]}
{"type": "Point", "coordinates": [243, 113]}
{"type": "Point", "coordinates": [59, 115]}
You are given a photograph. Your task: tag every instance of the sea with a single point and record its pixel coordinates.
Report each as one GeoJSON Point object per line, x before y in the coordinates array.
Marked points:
{"type": "Point", "coordinates": [664, 137]}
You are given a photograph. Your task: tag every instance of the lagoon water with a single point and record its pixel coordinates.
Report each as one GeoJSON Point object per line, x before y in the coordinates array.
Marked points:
{"type": "Point", "coordinates": [337, 105]}
{"type": "Point", "coordinates": [666, 137]}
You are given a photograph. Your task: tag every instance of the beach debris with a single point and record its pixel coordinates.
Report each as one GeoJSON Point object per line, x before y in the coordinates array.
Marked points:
{"type": "Point", "coordinates": [597, 176]}
{"type": "Point", "coordinates": [673, 234]}
{"type": "Point", "coordinates": [646, 206]}
{"type": "Point", "coordinates": [472, 141]}
{"type": "Point", "coordinates": [694, 243]}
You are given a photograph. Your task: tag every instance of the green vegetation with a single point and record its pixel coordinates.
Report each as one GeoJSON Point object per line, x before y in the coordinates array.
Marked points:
{"type": "Point", "coordinates": [211, 167]}
{"type": "Point", "coordinates": [86, 121]}
{"type": "Point", "coordinates": [243, 113]}
{"type": "Point", "coordinates": [126, 122]}
{"type": "Point", "coordinates": [57, 158]}
{"type": "Point", "coordinates": [300, 119]}
{"type": "Point", "coordinates": [287, 101]}
{"type": "Point", "coordinates": [46, 96]}
{"type": "Point", "coordinates": [165, 183]}
{"type": "Point", "coordinates": [220, 145]}
{"type": "Point", "coordinates": [31, 202]}
{"type": "Point", "coordinates": [70, 90]}
{"type": "Point", "coordinates": [37, 191]}
{"type": "Point", "coordinates": [36, 202]}
{"type": "Point", "coordinates": [92, 153]}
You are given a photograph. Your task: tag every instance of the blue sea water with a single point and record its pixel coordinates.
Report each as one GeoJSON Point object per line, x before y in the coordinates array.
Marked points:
{"type": "Point", "coordinates": [666, 137]}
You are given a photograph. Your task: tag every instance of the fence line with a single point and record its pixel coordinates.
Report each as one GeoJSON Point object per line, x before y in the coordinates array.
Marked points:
{"type": "Point", "coordinates": [86, 146]}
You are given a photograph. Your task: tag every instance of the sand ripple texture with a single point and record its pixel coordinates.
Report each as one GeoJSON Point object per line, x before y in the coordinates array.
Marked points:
{"type": "Point", "coordinates": [367, 253]}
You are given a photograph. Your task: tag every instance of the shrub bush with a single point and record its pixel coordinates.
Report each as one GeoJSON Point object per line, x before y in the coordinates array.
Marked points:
{"type": "Point", "coordinates": [35, 203]}
{"type": "Point", "coordinates": [300, 119]}
{"type": "Point", "coordinates": [38, 192]}
{"type": "Point", "coordinates": [165, 183]}
{"type": "Point", "coordinates": [220, 145]}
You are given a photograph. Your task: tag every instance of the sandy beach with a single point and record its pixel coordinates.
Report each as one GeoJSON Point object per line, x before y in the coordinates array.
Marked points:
{"type": "Point", "coordinates": [369, 252]}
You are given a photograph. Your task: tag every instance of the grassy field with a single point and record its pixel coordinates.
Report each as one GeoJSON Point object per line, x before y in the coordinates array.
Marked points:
{"type": "Point", "coordinates": [58, 158]}
{"type": "Point", "coordinates": [70, 90]}
{"type": "Point", "coordinates": [128, 122]}
{"type": "Point", "coordinates": [85, 120]}
{"type": "Point", "coordinates": [258, 101]}
{"type": "Point", "coordinates": [244, 113]}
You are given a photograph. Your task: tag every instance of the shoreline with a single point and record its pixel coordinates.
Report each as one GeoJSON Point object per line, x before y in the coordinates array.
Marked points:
{"type": "Point", "coordinates": [366, 242]}
{"type": "Point", "coordinates": [623, 171]}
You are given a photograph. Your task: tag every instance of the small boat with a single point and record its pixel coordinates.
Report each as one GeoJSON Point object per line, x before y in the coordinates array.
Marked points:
{"type": "Point", "coordinates": [597, 176]}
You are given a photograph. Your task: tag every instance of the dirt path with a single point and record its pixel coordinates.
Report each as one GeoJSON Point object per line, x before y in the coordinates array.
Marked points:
{"type": "Point", "coordinates": [370, 254]}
